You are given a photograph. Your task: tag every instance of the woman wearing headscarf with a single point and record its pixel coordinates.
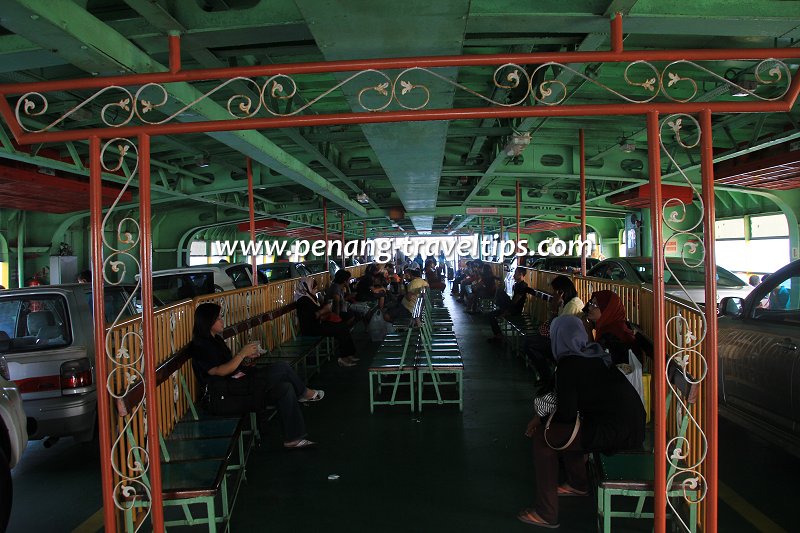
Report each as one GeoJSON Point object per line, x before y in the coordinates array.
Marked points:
{"type": "Point", "coordinates": [612, 418]}
{"type": "Point", "coordinates": [611, 330]}
{"type": "Point", "coordinates": [275, 383]}
{"type": "Point", "coordinates": [312, 317]}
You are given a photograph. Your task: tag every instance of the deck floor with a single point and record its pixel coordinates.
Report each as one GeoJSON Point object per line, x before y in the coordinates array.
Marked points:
{"type": "Point", "coordinates": [438, 471]}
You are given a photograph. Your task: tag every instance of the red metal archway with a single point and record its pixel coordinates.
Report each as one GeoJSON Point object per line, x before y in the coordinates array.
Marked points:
{"type": "Point", "coordinates": [652, 110]}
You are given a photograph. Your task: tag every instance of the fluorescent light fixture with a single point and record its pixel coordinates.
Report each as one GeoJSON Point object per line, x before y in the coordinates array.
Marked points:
{"type": "Point", "coordinates": [517, 143]}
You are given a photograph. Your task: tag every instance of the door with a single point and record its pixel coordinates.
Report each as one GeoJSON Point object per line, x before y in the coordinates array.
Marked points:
{"type": "Point", "coordinates": [760, 352]}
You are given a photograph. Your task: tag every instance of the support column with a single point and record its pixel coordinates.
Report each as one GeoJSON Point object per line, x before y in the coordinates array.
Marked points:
{"type": "Point", "coordinates": [325, 227]}
{"type": "Point", "coordinates": [101, 361]}
{"type": "Point", "coordinates": [518, 228]}
{"type": "Point", "coordinates": [659, 328]}
{"type": "Point", "coordinates": [341, 219]}
{"type": "Point", "coordinates": [710, 384]}
{"type": "Point", "coordinates": [583, 201]}
{"type": "Point", "coordinates": [148, 346]}
{"type": "Point", "coordinates": [251, 204]}
{"type": "Point", "coordinates": [480, 243]}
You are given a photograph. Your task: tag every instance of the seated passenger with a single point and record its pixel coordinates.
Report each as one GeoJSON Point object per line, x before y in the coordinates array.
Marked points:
{"type": "Point", "coordinates": [404, 309]}
{"type": "Point", "coordinates": [564, 302]}
{"type": "Point", "coordinates": [275, 383]}
{"type": "Point", "coordinates": [519, 293]}
{"type": "Point", "coordinates": [366, 290]}
{"type": "Point", "coordinates": [312, 317]}
{"type": "Point", "coordinates": [337, 296]}
{"type": "Point", "coordinates": [433, 276]}
{"type": "Point", "coordinates": [607, 315]}
{"type": "Point", "coordinates": [612, 418]}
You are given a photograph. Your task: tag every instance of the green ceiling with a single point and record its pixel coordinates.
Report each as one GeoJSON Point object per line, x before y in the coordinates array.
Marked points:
{"type": "Point", "coordinates": [434, 170]}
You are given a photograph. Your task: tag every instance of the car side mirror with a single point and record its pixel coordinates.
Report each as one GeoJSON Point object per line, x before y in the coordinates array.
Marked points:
{"type": "Point", "coordinates": [731, 306]}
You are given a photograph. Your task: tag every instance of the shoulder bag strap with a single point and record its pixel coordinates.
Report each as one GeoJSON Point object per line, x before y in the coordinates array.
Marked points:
{"type": "Point", "coordinates": [571, 437]}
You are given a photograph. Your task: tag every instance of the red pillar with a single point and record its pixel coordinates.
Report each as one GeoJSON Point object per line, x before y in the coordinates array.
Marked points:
{"type": "Point", "coordinates": [480, 246]}
{"type": "Point", "coordinates": [583, 200]}
{"type": "Point", "coordinates": [518, 228]}
{"type": "Point", "coordinates": [710, 384]}
{"type": "Point", "coordinates": [325, 227]}
{"type": "Point", "coordinates": [341, 218]}
{"type": "Point", "coordinates": [148, 346]}
{"type": "Point", "coordinates": [252, 217]}
{"type": "Point", "coordinates": [101, 362]}
{"type": "Point", "coordinates": [659, 344]}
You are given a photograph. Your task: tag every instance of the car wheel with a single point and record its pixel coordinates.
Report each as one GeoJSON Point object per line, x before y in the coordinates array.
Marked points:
{"type": "Point", "coordinates": [5, 490]}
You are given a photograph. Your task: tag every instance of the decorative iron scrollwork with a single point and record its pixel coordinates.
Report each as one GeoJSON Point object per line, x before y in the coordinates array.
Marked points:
{"type": "Point", "coordinates": [375, 91]}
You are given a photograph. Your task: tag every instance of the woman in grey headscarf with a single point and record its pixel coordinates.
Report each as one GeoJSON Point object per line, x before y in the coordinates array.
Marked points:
{"type": "Point", "coordinates": [312, 316]}
{"type": "Point", "coordinates": [612, 418]}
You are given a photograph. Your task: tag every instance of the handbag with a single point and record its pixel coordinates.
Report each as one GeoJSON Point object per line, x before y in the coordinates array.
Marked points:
{"type": "Point", "coordinates": [545, 404]}
{"type": "Point", "coordinates": [226, 396]}
{"type": "Point", "coordinates": [332, 317]}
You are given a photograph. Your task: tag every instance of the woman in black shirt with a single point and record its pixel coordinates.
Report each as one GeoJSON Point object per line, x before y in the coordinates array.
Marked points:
{"type": "Point", "coordinates": [275, 383]}
{"type": "Point", "coordinates": [612, 418]}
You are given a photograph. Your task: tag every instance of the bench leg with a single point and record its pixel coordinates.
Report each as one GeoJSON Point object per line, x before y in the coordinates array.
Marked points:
{"type": "Point", "coordinates": [371, 395]}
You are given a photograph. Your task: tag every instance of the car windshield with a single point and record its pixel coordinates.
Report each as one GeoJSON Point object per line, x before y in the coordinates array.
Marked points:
{"type": "Point", "coordinates": [33, 322]}
{"type": "Point", "coordinates": [173, 287]}
{"type": "Point", "coordinates": [688, 276]}
{"type": "Point", "coordinates": [269, 273]}
{"type": "Point", "coordinates": [315, 267]}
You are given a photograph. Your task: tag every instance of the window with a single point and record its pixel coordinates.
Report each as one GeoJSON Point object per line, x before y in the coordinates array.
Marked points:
{"type": "Point", "coordinates": [240, 276]}
{"type": "Point", "coordinates": [198, 253]}
{"type": "Point", "coordinates": [780, 300]}
{"type": "Point", "coordinates": [769, 226]}
{"type": "Point", "coordinates": [729, 229]}
{"type": "Point", "coordinates": [35, 322]}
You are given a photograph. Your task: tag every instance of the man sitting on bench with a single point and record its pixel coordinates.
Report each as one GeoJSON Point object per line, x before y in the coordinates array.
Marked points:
{"type": "Point", "coordinates": [405, 307]}
{"type": "Point", "coordinates": [225, 375]}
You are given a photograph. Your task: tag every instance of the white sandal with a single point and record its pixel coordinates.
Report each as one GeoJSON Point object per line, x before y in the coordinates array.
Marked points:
{"type": "Point", "coordinates": [318, 395]}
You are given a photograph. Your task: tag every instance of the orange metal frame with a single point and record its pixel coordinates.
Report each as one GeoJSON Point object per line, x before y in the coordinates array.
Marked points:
{"type": "Point", "coordinates": [651, 110]}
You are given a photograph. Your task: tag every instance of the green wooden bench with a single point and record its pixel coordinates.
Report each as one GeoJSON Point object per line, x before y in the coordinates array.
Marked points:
{"type": "Point", "coordinates": [394, 361]}
{"type": "Point", "coordinates": [630, 474]}
{"type": "Point", "coordinates": [204, 457]}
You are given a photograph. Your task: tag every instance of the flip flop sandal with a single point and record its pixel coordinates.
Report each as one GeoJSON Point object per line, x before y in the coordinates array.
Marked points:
{"type": "Point", "coordinates": [529, 516]}
{"type": "Point", "coordinates": [566, 490]}
{"type": "Point", "coordinates": [318, 395]}
{"type": "Point", "coordinates": [300, 445]}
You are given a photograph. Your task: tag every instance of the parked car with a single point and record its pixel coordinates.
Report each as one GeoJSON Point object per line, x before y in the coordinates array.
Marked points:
{"type": "Point", "coordinates": [563, 263]}
{"type": "Point", "coordinates": [316, 267]}
{"type": "Point", "coordinates": [640, 270]}
{"type": "Point", "coordinates": [13, 437]}
{"type": "Point", "coordinates": [176, 284]}
{"type": "Point", "coordinates": [759, 359]}
{"type": "Point", "coordinates": [280, 271]}
{"type": "Point", "coordinates": [49, 353]}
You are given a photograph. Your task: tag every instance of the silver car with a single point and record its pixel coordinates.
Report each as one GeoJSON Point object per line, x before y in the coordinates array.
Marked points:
{"type": "Point", "coordinates": [640, 270]}
{"type": "Point", "coordinates": [13, 439]}
{"type": "Point", "coordinates": [47, 344]}
{"type": "Point", "coordinates": [759, 359]}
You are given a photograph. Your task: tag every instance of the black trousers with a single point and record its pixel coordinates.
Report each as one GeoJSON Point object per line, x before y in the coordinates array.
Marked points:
{"type": "Point", "coordinates": [283, 388]}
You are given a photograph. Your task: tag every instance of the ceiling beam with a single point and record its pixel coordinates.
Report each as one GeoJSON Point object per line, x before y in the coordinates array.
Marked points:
{"type": "Point", "coordinates": [90, 44]}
